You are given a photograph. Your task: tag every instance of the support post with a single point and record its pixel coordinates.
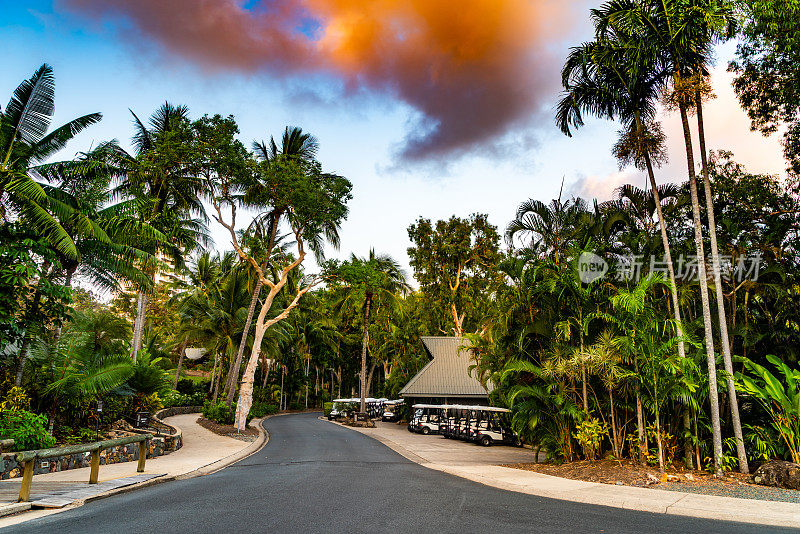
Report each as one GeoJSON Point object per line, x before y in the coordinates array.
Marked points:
{"type": "Point", "coordinates": [142, 456]}
{"type": "Point", "coordinates": [27, 478]}
{"type": "Point", "coordinates": [95, 467]}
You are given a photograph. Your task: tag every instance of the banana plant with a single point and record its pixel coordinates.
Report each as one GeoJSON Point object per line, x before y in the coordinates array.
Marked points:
{"type": "Point", "coordinates": [780, 398]}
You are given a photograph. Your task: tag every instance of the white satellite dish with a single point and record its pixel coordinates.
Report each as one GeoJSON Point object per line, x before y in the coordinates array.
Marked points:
{"type": "Point", "coordinates": [194, 353]}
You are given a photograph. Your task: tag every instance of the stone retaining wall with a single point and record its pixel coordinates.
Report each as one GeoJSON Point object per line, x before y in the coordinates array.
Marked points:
{"type": "Point", "coordinates": [177, 410]}
{"type": "Point", "coordinates": [167, 440]}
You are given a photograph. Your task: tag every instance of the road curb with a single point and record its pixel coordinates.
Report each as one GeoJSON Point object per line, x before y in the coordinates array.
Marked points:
{"type": "Point", "coordinates": [689, 505]}
{"type": "Point", "coordinates": [14, 508]}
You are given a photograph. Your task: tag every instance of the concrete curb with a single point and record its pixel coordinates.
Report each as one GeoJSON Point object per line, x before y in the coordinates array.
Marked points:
{"type": "Point", "coordinates": [254, 447]}
{"type": "Point", "coordinates": [768, 513]}
{"type": "Point", "coordinates": [14, 508]}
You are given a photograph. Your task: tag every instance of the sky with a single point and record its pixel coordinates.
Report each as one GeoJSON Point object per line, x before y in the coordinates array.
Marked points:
{"type": "Point", "coordinates": [431, 108]}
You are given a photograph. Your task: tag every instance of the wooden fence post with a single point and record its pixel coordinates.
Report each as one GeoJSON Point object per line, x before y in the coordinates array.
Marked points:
{"type": "Point", "coordinates": [95, 466]}
{"type": "Point", "coordinates": [27, 477]}
{"type": "Point", "coordinates": [142, 456]}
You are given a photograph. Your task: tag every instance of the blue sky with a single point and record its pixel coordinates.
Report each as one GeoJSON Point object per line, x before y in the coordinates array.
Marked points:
{"type": "Point", "coordinates": [359, 135]}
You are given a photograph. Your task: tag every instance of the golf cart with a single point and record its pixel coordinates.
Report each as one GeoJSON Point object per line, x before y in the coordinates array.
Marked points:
{"type": "Point", "coordinates": [393, 410]}
{"type": "Point", "coordinates": [343, 408]}
{"type": "Point", "coordinates": [488, 425]}
{"type": "Point", "coordinates": [425, 419]}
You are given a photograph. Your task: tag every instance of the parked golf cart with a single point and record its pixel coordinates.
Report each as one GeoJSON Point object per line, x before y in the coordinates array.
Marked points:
{"type": "Point", "coordinates": [343, 408]}
{"type": "Point", "coordinates": [393, 410]}
{"type": "Point", "coordinates": [488, 425]}
{"type": "Point", "coordinates": [425, 418]}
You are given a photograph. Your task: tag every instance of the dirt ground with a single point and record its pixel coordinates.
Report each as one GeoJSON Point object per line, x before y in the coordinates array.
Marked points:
{"type": "Point", "coordinates": [628, 473]}
{"type": "Point", "coordinates": [250, 434]}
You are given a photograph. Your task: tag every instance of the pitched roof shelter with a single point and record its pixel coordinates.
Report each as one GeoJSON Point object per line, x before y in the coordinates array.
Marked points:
{"type": "Point", "coordinates": [447, 374]}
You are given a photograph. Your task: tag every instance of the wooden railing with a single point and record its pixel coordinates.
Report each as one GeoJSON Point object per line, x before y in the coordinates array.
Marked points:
{"type": "Point", "coordinates": [28, 458]}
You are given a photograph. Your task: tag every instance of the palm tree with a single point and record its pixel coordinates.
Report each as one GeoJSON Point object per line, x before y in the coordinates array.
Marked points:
{"type": "Point", "coordinates": [647, 338]}
{"type": "Point", "coordinates": [720, 25]}
{"type": "Point", "coordinates": [24, 145]}
{"type": "Point", "coordinates": [674, 34]}
{"type": "Point", "coordinates": [614, 79]}
{"type": "Point", "coordinates": [552, 228]}
{"type": "Point", "coordinates": [366, 281]}
{"type": "Point", "coordinates": [605, 359]}
{"type": "Point", "coordinates": [160, 178]}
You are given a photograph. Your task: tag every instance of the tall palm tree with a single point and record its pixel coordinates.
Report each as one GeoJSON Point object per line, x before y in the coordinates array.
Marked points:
{"type": "Point", "coordinates": [159, 175]}
{"type": "Point", "coordinates": [675, 35]}
{"type": "Point", "coordinates": [615, 79]}
{"type": "Point", "coordinates": [719, 25]}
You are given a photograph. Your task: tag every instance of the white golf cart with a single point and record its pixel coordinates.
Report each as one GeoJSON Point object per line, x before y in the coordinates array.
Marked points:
{"type": "Point", "coordinates": [343, 408]}
{"type": "Point", "coordinates": [488, 425]}
{"type": "Point", "coordinates": [393, 410]}
{"type": "Point", "coordinates": [425, 418]}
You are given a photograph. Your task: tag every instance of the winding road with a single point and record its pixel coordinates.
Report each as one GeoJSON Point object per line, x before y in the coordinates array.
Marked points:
{"type": "Point", "coordinates": [313, 476]}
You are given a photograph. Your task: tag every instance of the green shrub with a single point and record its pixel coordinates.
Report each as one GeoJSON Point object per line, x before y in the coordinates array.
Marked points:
{"type": "Point", "coordinates": [590, 434]}
{"type": "Point", "coordinates": [327, 407]}
{"type": "Point", "coordinates": [81, 435]}
{"type": "Point", "coordinates": [218, 412]}
{"type": "Point", "coordinates": [193, 387]}
{"type": "Point", "coordinates": [261, 409]}
{"type": "Point", "coordinates": [173, 398]}
{"type": "Point", "coordinates": [27, 429]}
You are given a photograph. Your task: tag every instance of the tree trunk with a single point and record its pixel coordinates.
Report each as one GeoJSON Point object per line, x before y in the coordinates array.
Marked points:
{"type": "Point", "coordinates": [283, 374]}
{"type": "Point", "coordinates": [583, 377]}
{"type": "Point", "coordinates": [307, 364]}
{"type": "Point", "coordinates": [233, 373]}
{"type": "Point", "coordinates": [182, 351]}
{"type": "Point", "coordinates": [458, 328]}
{"type": "Point", "coordinates": [364, 344]}
{"type": "Point", "coordinates": [23, 358]}
{"type": "Point", "coordinates": [687, 442]}
{"type": "Point", "coordinates": [213, 375]}
{"type": "Point", "coordinates": [641, 430]}
{"type": "Point", "coordinates": [217, 378]}
{"type": "Point", "coordinates": [667, 256]}
{"type": "Point", "coordinates": [657, 411]}
{"type": "Point", "coordinates": [27, 337]}
{"type": "Point", "coordinates": [703, 284]}
{"type": "Point", "coordinates": [723, 322]}
{"type": "Point", "coordinates": [266, 374]}
{"type": "Point", "coordinates": [138, 324]}
{"type": "Point", "coordinates": [370, 375]}
{"type": "Point", "coordinates": [615, 442]}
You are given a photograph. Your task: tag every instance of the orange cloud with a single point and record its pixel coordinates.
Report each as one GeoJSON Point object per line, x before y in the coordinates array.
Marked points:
{"type": "Point", "coordinates": [474, 69]}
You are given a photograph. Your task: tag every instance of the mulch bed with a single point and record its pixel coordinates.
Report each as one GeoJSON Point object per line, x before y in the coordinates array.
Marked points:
{"type": "Point", "coordinates": [628, 473]}
{"type": "Point", "coordinates": [250, 434]}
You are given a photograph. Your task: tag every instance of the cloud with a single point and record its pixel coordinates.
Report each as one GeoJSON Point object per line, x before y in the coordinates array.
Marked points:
{"type": "Point", "coordinates": [473, 70]}
{"type": "Point", "coordinates": [601, 187]}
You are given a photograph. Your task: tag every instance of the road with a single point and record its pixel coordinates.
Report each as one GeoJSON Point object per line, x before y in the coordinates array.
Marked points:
{"type": "Point", "coordinates": [313, 476]}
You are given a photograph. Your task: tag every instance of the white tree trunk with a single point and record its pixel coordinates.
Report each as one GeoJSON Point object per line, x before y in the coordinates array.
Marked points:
{"type": "Point", "coordinates": [138, 325]}
{"type": "Point", "coordinates": [723, 321]}
{"type": "Point", "coordinates": [716, 431]}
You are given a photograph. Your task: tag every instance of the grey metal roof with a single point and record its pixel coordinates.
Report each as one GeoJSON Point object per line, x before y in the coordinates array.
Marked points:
{"type": "Point", "coordinates": [447, 374]}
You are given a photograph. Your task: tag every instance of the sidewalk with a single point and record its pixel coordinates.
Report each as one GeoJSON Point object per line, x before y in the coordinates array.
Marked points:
{"type": "Point", "coordinates": [481, 465]}
{"type": "Point", "coordinates": [202, 452]}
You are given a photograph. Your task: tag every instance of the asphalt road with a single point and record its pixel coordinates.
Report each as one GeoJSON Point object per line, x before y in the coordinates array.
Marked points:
{"type": "Point", "coordinates": [317, 477]}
